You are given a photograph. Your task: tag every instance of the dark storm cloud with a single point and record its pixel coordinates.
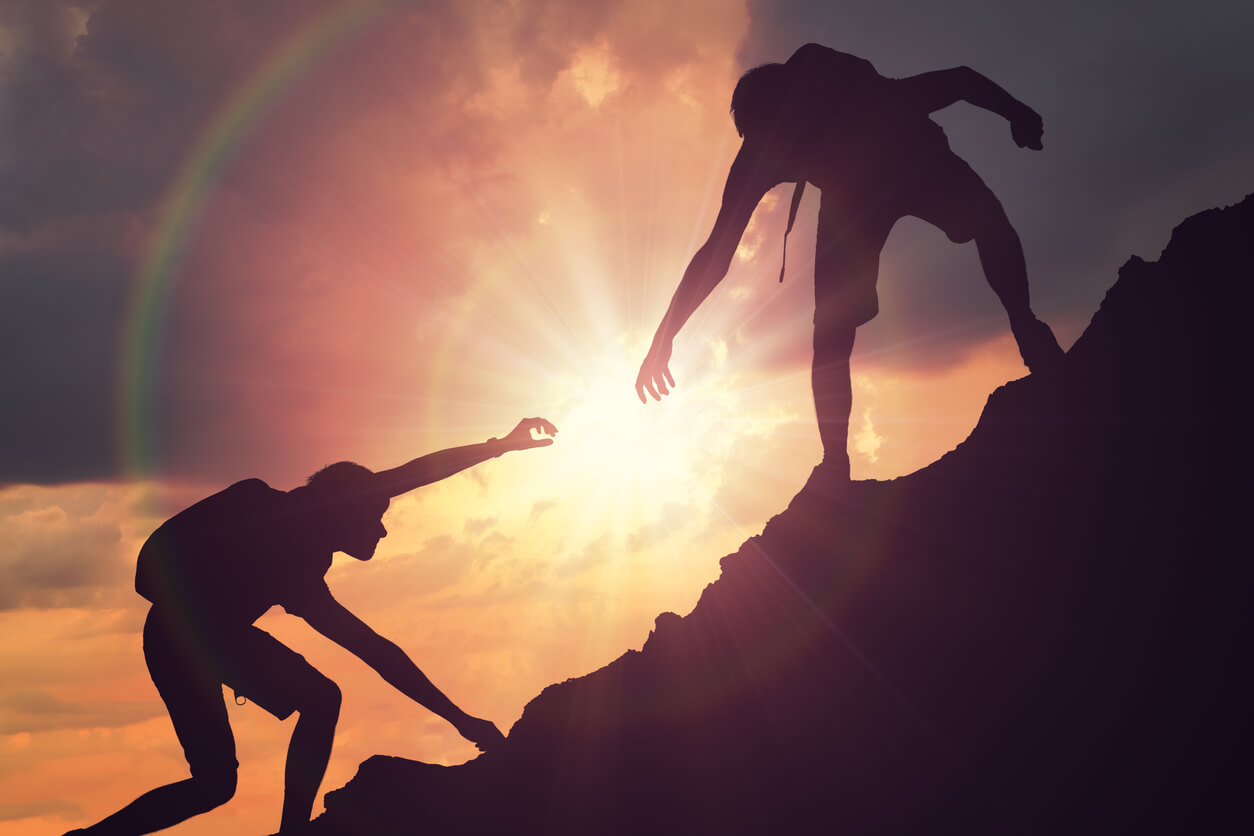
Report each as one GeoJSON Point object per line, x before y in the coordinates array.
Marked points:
{"type": "Point", "coordinates": [102, 102]}
{"type": "Point", "coordinates": [100, 99]}
{"type": "Point", "coordinates": [1146, 121]}
{"type": "Point", "coordinates": [98, 102]}
{"type": "Point", "coordinates": [60, 319]}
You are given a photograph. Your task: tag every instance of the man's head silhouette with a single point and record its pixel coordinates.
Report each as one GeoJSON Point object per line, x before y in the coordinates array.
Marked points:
{"type": "Point", "coordinates": [756, 100]}
{"type": "Point", "coordinates": [349, 506]}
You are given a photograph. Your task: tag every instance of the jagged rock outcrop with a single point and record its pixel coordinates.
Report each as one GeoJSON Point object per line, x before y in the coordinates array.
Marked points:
{"type": "Point", "coordinates": [1047, 630]}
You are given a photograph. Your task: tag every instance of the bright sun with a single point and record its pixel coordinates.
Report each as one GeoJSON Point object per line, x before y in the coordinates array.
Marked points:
{"type": "Point", "coordinates": [635, 457]}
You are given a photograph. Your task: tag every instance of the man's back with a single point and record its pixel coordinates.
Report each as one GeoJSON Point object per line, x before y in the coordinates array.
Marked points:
{"type": "Point", "coordinates": [230, 557]}
{"type": "Point", "coordinates": [840, 122]}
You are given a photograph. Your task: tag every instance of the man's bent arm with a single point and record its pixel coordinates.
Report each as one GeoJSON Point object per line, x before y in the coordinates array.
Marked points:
{"type": "Point", "coordinates": [937, 90]}
{"type": "Point", "coordinates": [744, 189]}
{"type": "Point", "coordinates": [333, 620]}
{"type": "Point", "coordinates": [707, 268]}
{"type": "Point", "coordinates": [436, 466]}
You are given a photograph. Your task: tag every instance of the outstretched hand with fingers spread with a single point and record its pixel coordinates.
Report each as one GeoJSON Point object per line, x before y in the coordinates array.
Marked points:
{"type": "Point", "coordinates": [655, 372]}
{"type": "Point", "coordinates": [521, 438]}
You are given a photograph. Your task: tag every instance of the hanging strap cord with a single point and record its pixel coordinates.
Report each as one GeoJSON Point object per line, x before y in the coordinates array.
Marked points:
{"type": "Point", "coordinates": [792, 216]}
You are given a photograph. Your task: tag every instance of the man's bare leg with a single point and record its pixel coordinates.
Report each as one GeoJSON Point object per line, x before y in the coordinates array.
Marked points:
{"type": "Point", "coordinates": [166, 806]}
{"type": "Point", "coordinates": [1001, 256]}
{"type": "Point", "coordinates": [846, 266]}
{"type": "Point", "coordinates": [194, 701]}
{"type": "Point", "coordinates": [833, 392]}
{"type": "Point", "coordinates": [307, 757]}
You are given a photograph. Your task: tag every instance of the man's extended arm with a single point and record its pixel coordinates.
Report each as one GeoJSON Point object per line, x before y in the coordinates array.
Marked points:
{"type": "Point", "coordinates": [746, 184]}
{"type": "Point", "coordinates": [936, 90]}
{"type": "Point", "coordinates": [330, 618]}
{"type": "Point", "coordinates": [436, 466]}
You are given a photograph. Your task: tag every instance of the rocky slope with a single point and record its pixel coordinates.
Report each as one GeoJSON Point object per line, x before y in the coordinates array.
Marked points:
{"type": "Point", "coordinates": [1047, 630]}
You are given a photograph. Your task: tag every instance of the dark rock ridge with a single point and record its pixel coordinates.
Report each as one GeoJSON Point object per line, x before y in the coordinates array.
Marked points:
{"type": "Point", "coordinates": [1047, 630]}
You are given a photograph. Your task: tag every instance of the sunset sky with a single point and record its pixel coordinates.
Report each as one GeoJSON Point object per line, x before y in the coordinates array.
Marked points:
{"type": "Point", "coordinates": [244, 238]}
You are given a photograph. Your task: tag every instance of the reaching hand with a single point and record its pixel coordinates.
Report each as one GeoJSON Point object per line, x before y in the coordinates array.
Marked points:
{"type": "Point", "coordinates": [483, 733]}
{"type": "Point", "coordinates": [520, 438]}
{"type": "Point", "coordinates": [655, 372]}
{"type": "Point", "coordinates": [1026, 128]}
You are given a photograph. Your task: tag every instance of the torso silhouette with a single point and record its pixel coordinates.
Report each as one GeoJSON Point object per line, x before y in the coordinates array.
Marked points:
{"type": "Point", "coordinates": [842, 126]}
{"type": "Point", "coordinates": [230, 557]}
{"type": "Point", "coordinates": [868, 144]}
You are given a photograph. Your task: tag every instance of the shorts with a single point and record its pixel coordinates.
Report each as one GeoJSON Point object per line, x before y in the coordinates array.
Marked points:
{"type": "Point", "coordinates": [856, 215]}
{"type": "Point", "coordinates": [189, 665]}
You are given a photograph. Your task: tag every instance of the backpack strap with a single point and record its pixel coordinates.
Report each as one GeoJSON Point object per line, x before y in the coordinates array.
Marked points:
{"type": "Point", "coordinates": [792, 216]}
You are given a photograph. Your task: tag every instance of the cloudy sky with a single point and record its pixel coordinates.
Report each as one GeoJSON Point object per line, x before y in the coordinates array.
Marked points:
{"type": "Point", "coordinates": [247, 239]}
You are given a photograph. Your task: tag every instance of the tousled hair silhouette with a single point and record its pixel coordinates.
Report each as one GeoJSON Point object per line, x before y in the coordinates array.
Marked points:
{"type": "Point", "coordinates": [755, 101]}
{"type": "Point", "coordinates": [346, 478]}
{"type": "Point", "coordinates": [344, 484]}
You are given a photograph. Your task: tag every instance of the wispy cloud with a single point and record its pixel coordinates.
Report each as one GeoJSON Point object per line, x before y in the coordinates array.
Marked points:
{"type": "Point", "coordinates": [539, 508]}
{"type": "Point", "coordinates": [38, 711]}
{"type": "Point", "coordinates": [38, 809]}
{"type": "Point", "coordinates": [65, 549]}
{"type": "Point", "coordinates": [866, 441]}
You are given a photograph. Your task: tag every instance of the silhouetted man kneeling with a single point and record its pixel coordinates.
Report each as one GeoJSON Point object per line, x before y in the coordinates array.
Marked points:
{"type": "Point", "coordinates": [866, 141]}
{"type": "Point", "coordinates": [214, 568]}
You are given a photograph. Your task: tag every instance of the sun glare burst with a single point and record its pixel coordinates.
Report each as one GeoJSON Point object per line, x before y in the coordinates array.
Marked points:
{"type": "Point", "coordinates": [632, 460]}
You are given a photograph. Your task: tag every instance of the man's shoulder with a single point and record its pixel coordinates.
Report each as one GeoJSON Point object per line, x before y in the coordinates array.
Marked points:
{"type": "Point", "coordinates": [830, 62]}
{"type": "Point", "coordinates": [242, 500]}
{"type": "Point", "coordinates": [244, 493]}
{"type": "Point", "coordinates": [250, 487]}
{"type": "Point", "coordinates": [812, 51]}
{"type": "Point", "coordinates": [212, 530]}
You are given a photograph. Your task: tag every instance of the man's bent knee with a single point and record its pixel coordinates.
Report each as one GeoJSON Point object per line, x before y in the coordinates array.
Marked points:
{"type": "Point", "coordinates": [833, 342]}
{"type": "Point", "coordinates": [214, 787]}
{"type": "Point", "coordinates": [323, 697]}
{"type": "Point", "coordinates": [979, 215]}
{"type": "Point", "coordinates": [990, 223]}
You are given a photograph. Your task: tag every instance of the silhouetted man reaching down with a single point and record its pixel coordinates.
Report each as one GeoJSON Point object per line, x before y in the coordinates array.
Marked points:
{"type": "Point", "coordinates": [866, 141]}
{"type": "Point", "coordinates": [214, 568]}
